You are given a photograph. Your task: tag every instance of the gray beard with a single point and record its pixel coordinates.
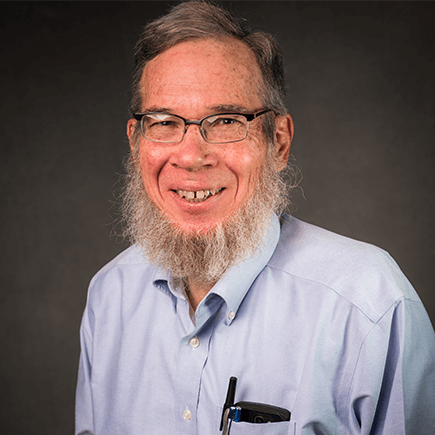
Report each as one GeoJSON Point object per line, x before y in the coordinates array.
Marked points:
{"type": "Point", "coordinates": [200, 258]}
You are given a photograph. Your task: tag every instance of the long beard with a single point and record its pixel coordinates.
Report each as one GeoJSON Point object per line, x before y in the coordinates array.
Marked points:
{"type": "Point", "coordinates": [200, 258]}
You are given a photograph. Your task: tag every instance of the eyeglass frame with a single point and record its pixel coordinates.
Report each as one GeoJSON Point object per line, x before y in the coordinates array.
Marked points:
{"type": "Point", "coordinates": [249, 117]}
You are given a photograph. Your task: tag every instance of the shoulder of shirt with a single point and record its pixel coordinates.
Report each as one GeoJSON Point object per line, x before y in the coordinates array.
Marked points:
{"type": "Point", "coordinates": [362, 273]}
{"type": "Point", "coordinates": [123, 278]}
{"type": "Point", "coordinates": [129, 257]}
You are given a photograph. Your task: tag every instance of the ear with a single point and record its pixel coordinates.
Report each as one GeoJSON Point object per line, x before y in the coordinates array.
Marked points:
{"type": "Point", "coordinates": [131, 126]}
{"type": "Point", "coordinates": [284, 129]}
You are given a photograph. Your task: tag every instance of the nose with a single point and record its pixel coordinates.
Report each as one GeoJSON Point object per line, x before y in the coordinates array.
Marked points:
{"type": "Point", "coordinates": [193, 152]}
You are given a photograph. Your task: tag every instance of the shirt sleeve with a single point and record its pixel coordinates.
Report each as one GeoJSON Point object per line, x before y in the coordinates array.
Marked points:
{"type": "Point", "coordinates": [84, 420]}
{"type": "Point", "coordinates": [418, 371]}
{"type": "Point", "coordinates": [393, 387]}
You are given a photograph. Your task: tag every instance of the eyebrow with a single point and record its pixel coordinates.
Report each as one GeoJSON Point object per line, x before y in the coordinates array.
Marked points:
{"type": "Point", "coordinates": [218, 108]}
{"type": "Point", "coordinates": [221, 108]}
{"type": "Point", "coordinates": [157, 109]}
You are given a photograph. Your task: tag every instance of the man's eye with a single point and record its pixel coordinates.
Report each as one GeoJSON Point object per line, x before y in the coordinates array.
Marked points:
{"type": "Point", "coordinates": [164, 123]}
{"type": "Point", "coordinates": [226, 122]}
{"type": "Point", "coordinates": [169, 123]}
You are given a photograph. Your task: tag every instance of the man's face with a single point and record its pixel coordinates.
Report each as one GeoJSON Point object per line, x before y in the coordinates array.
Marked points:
{"type": "Point", "coordinates": [195, 79]}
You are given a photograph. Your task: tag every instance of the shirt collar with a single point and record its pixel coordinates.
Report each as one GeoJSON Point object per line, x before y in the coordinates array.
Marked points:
{"type": "Point", "coordinates": [236, 281]}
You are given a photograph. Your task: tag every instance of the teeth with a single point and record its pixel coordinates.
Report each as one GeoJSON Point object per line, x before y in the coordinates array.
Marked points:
{"type": "Point", "coordinates": [198, 196]}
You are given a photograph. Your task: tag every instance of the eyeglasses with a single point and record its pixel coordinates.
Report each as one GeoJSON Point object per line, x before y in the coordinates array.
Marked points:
{"type": "Point", "coordinates": [219, 128]}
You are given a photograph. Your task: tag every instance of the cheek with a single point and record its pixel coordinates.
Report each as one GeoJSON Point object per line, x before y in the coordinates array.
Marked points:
{"type": "Point", "coordinates": [248, 165]}
{"type": "Point", "coordinates": [152, 160]}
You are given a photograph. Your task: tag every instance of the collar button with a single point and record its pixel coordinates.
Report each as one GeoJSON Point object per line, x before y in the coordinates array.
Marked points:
{"type": "Point", "coordinates": [194, 342]}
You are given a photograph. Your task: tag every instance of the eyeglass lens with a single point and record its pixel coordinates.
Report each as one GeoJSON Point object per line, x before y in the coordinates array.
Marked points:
{"type": "Point", "coordinates": [163, 127]}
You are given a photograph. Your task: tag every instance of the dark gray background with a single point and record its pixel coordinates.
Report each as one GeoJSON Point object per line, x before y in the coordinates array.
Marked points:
{"type": "Point", "coordinates": [360, 90]}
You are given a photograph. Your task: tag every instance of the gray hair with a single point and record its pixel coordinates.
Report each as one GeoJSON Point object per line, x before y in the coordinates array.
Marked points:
{"type": "Point", "coordinates": [203, 20]}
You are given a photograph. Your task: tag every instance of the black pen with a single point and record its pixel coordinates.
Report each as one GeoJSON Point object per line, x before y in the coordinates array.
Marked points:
{"type": "Point", "coordinates": [231, 393]}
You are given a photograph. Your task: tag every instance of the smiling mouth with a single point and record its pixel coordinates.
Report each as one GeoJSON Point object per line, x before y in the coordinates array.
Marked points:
{"type": "Point", "coordinates": [198, 195]}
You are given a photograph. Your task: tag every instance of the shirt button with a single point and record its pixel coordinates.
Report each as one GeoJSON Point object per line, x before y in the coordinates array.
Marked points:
{"type": "Point", "coordinates": [187, 415]}
{"type": "Point", "coordinates": [231, 315]}
{"type": "Point", "coordinates": [194, 342]}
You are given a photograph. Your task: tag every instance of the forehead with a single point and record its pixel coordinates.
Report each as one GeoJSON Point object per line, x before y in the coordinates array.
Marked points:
{"type": "Point", "coordinates": [197, 76]}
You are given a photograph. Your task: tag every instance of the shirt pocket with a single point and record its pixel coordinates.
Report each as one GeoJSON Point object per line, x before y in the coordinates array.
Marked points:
{"type": "Point", "coordinates": [277, 428]}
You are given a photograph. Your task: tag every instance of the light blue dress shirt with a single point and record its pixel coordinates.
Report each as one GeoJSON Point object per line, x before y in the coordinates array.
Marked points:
{"type": "Point", "coordinates": [322, 325]}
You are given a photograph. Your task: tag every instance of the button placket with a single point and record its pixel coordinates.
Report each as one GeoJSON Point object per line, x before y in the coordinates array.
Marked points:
{"type": "Point", "coordinates": [193, 354]}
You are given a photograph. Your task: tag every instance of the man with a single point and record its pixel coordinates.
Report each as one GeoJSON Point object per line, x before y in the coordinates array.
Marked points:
{"type": "Point", "coordinates": [218, 283]}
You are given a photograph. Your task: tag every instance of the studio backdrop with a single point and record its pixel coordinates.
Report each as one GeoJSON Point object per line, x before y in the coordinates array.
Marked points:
{"type": "Point", "coordinates": [360, 89]}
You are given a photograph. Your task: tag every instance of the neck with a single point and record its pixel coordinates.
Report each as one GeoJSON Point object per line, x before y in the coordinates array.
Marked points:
{"type": "Point", "coordinates": [196, 292]}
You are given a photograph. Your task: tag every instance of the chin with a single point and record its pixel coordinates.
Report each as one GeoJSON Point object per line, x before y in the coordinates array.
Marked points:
{"type": "Point", "coordinates": [195, 228]}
